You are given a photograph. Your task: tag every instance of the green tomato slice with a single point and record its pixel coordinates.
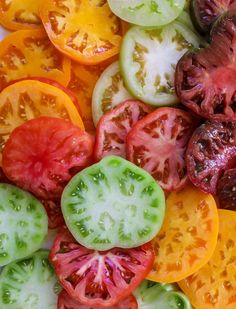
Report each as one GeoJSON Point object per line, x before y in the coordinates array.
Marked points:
{"type": "Point", "coordinates": [148, 60]}
{"type": "Point", "coordinates": [29, 283]}
{"type": "Point", "coordinates": [108, 92]}
{"type": "Point", "coordinates": [152, 295]}
{"type": "Point", "coordinates": [23, 224]}
{"type": "Point", "coordinates": [147, 12]}
{"type": "Point", "coordinates": [113, 203]}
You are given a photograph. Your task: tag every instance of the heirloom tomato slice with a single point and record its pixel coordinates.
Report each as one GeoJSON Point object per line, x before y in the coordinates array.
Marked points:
{"type": "Point", "coordinates": [42, 155]}
{"type": "Point", "coordinates": [99, 278]}
{"type": "Point", "coordinates": [53, 209]}
{"type": "Point", "coordinates": [30, 53]}
{"type": "Point", "coordinates": [188, 236]}
{"type": "Point", "coordinates": [86, 30]}
{"type": "Point", "coordinates": [28, 99]}
{"type": "Point", "coordinates": [214, 285]}
{"type": "Point", "coordinates": [65, 301]}
{"type": "Point", "coordinates": [226, 190]}
{"type": "Point", "coordinates": [20, 14]}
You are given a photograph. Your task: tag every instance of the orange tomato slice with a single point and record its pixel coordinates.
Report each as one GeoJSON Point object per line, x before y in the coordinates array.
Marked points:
{"type": "Point", "coordinates": [20, 14]}
{"type": "Point", "coordinates": [188, 236]}
{"type": "Point", "coordinates": [27, 53]}
{"type": "Point", "coordinates": [85, 30]}
{"type": "Point", "coordinates": [28, 99]}
{"type": "Point", "coordinates": [214, 285]}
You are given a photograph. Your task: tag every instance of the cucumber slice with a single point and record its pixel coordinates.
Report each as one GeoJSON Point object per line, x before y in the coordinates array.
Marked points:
{"type": "Point", "coordinates": [147, 12]}
{"type": "Point", "coordinates": [152, 295]}
{"type": "Point", "coordinates": [148, 60]}
{"type": "Point", "coordinates": [113, 203]}
{"type": "Point", "coordinates": [29, 283]}
{"type": "Point", "coordinates": [23, 224]}
{"type": "Point", "coordinates": [108, 92]}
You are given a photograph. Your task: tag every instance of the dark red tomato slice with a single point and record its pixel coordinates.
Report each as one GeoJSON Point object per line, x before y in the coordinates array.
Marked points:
{"type": "Point", "coordinates": [158, 142]}
{"type": "Point", "coordinates": [211, 151]}
{"type": "Point", "coordinates": [3, 177]}
{"type": "Point", "coordinates": [67, 302]}
{"type": "Point", "coordinates": [43, 154]}
{"type": "Point", "coordinates": [55, 217]}
{"type": "Point", "coordinates": [114, 126]}
{"type": "Point", "coordinates": [99, 278]}
{"type": "Point", "coordinates": [226, 190]}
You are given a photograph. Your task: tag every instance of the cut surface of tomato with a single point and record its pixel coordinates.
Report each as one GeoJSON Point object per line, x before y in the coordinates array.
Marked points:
{"type": "Point", "coordinates": [55, 217]}
{"type": "Point", "coordinates": [30, 53]}
{"type": "Point", "coordinates": [158, 144]}
{"type": "Point", "coordinates": [226, 190]}
{"type": "Point", "coordinates": [20, 14]}
{"type": "Point", "coordinates": [188, 236]}
{"type": "Point", "coordinates": [214, 285]}
{"type": "Point", "coordinates": [113, 127]}
{"type": "Point", "coordinates": [42, 155]}
{"type": "Point", "coordinates": [99, 278]}
{"type": "Point", "coordinates": [87, 31]}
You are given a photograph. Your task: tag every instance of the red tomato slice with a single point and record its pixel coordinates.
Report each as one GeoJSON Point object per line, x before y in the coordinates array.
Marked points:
{"type": "Point", "coordinates": [158, 144]}
{"type": "Point", "coordinates": [114, 126]}
{"type": "Point", "coordinates": [42, 155]}
{"type": "Point", "coordinates": [55, 217]}
{"type": "Point", "coordinates": [66, 302]}
{"type": "Point", "coordinates": [99, 278]}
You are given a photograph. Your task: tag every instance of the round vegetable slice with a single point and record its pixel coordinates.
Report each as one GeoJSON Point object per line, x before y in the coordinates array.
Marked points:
{"type": "Point", "coordinates": [114, 126]}
{"type": "Point", "coordinates": [188, 236]}
{"type": "Point", "coordinates": [158, 144]}
{"type": "Point", "coordinates": [66, 302]}
{"type": "Point", "coordinates": [147, 12]}
{"type": "Point", "coordinates": [211, 151]}
{"type": "Point", "coordinates": [204, 79]}
{"type": "Point", "coordinates": [23, 224]}
{"type": "Point", "coordinates": [113, 204]}
{"type": "Point", "coordinates": [30, 53]}
{"type": "Point", "coordinates": [99, 278]}
{"type": "Point", "coordinates": [108, 92]}
{"type": "Point", "coordinates": [29, 283]}
{"type": "Point", "coordinates": [87, 32]}
{"type": "Point", "coordinates": [226, 190]}
{"type": "Point", "coordinates": [43, 154]}
{"type": "Point", "coordinates": [148, 66]}
{"type": "Point", "coordinates": [55, 217]}
{"type": "Point", "coordinates": [18, 14]}
{"type": "Point", "coordinates": [214, 285]}
{"type": "Point", "coordinates": [152, 295]}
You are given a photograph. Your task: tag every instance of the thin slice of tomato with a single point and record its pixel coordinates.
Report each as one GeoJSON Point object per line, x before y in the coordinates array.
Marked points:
{"type": "Point", "coordinates": [55, 217]}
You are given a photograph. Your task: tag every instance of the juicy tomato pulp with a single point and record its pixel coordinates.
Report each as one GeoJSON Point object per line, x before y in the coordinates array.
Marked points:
{"type": "Point", "coordinates": [53, 209]}
{"type": "Point", "coordinates": [99, 278]}
{"type": "Point", "coordinates": [42, 155]}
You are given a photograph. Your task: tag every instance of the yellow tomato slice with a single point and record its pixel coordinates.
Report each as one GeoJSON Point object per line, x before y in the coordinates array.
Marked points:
{"type": "Point", "coordinates": [85, 30]}
{"type": "Point", "coordinates": [20, 14]}
{"type": "Point", "coordinates": [30, 99]}
{"type": "Point", "coordinates": [188, 237]}
{"type": "Point", "coordinates": [214, 285]}
{"type": "Point", "coordinates": [27, 53]}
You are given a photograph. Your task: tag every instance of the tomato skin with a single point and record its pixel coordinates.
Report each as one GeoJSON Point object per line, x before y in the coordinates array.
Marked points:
{"type": "Point", "coordinates": [95, 278]}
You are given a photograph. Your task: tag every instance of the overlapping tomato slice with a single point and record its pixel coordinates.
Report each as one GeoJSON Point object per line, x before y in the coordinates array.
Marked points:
{"type": "Point", "coordinates": [188, 236]}
{"type": "Point", "coordinates": [85, 30]}
{"type": "Point", "coordinates": [30, 53]}
{"type": "Point", "coordinates": [214, 285]}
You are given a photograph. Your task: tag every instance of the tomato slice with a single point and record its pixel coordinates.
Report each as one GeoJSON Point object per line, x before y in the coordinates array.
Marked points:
{"type": "Point", "coordinates": [87, 31]}
{"type": "Point", "coordinates": [214, 285]}
{"type": "Point", "coordinates": [114, 126]}
{"type": "Point", "coordinates": [188, 236]}
{"type": "Point", "coordinates": [42, 154]}
{"type": "Point", "coordinates": [99, 278]}
{"type": "Point", "coordinates": [55, 217]}
{"type": "Point", "coordinates": [17, 14]}
{"type": "Point", "coordinates": [67, 302]}
{"type": "Point", "coordinates": [158, 144]}
{"type": "Point", "coordinates": [30, 53]}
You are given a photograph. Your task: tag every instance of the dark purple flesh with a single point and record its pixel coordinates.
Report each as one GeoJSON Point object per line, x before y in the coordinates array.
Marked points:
{"type": "Point", "coordinates": [227, 190]}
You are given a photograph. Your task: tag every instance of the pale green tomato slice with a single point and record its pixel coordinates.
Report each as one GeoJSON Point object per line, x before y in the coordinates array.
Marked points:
{"type": "Point", "coordinates": [152, 295]}
{"type": "Point", "coordinates": [148, 60]}
{"type": "Point", "coordinates": [108, 92]}
{"type": "Point", "coordinates": [23, 224]}
{"type": "Point", "coordinates": [147, 12]}
{"type": "Point", "coordinates": [113, 203]}
{"type": "Point", "coordinates": [29, 283]}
